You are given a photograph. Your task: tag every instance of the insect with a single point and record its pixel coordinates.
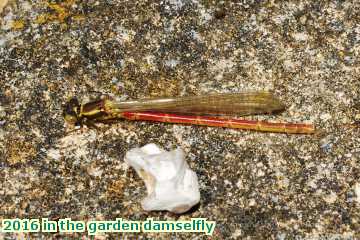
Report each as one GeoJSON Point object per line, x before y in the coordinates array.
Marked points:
{"type": "Point", "coordinates": [208, 110]}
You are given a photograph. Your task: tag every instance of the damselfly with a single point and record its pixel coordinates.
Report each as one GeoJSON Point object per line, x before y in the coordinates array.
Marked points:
{"type": "Point", "coordinates": [208, 110]}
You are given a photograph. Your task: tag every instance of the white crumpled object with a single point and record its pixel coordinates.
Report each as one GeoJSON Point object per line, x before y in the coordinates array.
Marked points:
{"type": "Point", "coordinates": [171, 185]}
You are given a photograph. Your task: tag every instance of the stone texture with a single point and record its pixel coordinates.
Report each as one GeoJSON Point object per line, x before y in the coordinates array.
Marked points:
{"type": "Point", "coordinates": [254, 185]}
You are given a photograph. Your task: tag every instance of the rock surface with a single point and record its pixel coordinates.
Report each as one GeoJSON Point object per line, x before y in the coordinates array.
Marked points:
{"type": "Point", "coordinates": [254, 185]}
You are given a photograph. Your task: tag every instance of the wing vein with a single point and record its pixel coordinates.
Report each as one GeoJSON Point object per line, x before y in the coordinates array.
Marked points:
{"type": "Point", "coordinates": [240, 104]}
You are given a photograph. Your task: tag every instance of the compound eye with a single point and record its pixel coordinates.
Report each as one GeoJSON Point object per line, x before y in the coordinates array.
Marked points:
{"type": "Point", "coordinates": [73, 105]}
{"type": "Point", "coordinates": [70, 111]}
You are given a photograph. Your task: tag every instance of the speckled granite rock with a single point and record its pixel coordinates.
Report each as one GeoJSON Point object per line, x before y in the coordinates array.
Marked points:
{"type": "Point", "coordinates": [254, 185]}
{"type": "Point", "coordinates": [3, 4]}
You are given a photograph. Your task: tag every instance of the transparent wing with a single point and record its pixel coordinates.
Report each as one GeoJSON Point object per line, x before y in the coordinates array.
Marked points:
{"type": "Point", "coordinates": [240, 104]}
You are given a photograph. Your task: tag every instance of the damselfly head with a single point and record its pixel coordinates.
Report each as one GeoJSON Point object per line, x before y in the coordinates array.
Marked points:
{"type": "Point", "coordinates": [71, 111]}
